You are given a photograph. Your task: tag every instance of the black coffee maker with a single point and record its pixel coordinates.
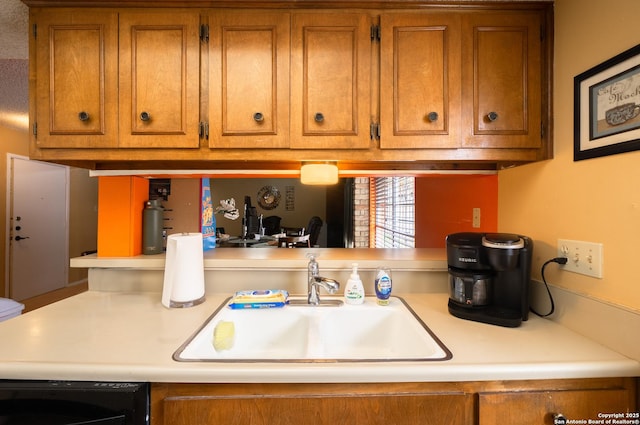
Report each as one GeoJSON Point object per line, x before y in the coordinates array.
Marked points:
{"type": "Point", "coordinates": [489, 277]}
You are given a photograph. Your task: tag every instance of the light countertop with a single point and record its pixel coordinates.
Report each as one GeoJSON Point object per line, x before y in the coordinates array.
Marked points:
{"type": "Point", "coordinates": [120, 336]}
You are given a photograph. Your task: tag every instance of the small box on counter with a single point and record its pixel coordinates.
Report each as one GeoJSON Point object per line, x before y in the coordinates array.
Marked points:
{"type": "Point", "coordinates": [269, 298]}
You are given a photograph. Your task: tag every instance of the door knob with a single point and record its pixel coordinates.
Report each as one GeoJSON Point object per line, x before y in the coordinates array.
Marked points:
{"type": "Point", "coordinates": [19, 238]}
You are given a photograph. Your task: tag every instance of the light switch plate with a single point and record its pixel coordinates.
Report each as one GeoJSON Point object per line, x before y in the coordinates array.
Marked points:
{"type": "Point", "coordinates": [583, 257]}
{"type": "Point", "coordinates": [476, 218]}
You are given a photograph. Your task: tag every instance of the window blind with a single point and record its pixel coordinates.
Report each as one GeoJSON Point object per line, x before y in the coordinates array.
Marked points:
{"type": "Point", "coordinates": [394, 212]}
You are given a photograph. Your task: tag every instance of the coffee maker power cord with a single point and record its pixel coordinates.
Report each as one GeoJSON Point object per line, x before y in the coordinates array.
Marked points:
{"type": "Point", "coordinates": [558, 260]}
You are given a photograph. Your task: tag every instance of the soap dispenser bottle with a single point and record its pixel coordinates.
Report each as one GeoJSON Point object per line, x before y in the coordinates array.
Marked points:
{"type": "Point", "coordinates": [354, 290]}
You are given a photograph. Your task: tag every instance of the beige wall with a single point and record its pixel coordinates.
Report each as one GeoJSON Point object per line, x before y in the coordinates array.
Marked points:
{"type": "Point", "coordinates": [16, 142]}
{"type": "Point", "coordinates": [83, 218]}
{"type": "Point", "coordinates": [596, 200]}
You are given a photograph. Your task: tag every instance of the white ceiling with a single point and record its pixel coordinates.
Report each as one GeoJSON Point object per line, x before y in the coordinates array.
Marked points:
{"type": "Point", "coordinates": [14, 29]}
{"type": "Point", "coordinates": [14, 65]}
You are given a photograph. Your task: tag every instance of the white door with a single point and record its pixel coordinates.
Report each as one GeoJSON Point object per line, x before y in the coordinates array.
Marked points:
{"type": "Point", "coordinates": [38, 227]}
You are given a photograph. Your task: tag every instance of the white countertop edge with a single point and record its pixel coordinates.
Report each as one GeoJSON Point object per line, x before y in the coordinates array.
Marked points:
{"type": "Point", "coordinates": [422, 259]}
{"type": "Point", "coordinates": [321, 373]}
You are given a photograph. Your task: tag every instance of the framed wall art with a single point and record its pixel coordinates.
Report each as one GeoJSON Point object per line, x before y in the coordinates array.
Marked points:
{"type": "Point", "coordinates": [607, 107]}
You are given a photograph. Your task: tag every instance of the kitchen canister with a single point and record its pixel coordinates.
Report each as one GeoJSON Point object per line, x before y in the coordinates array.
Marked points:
{"type": "Point", "coordinates": [183, 271]}
{"type": "Point", "coordinates": [152, 224]}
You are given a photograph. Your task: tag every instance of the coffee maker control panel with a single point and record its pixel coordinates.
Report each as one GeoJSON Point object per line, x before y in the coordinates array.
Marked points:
{"type": "Point", "coordinates": [464, 251]}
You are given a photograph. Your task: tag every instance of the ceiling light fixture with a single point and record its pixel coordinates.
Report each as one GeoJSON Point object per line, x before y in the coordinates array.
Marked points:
{"type": "Point", "coordinates": [319, 173]}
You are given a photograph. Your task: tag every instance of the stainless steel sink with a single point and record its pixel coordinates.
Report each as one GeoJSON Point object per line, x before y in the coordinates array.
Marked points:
{"type": "Point", "coordinates": [350, 333]}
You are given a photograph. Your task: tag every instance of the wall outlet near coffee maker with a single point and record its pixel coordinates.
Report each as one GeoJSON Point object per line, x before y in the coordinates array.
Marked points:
{"type": "Point", "coordinates": [583, 257]}
{"type": "Point", "coordinates": [476, 218]}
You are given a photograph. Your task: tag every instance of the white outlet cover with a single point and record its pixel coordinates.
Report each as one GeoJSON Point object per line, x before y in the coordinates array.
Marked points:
{"type": "Point", "coordinates": [583, 257]}
{"type": "Point", "coordinates": [476, 218]}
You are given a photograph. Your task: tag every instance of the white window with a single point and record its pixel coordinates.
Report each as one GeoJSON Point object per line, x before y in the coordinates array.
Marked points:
{"type": "Point", "coordinates": [393, 211]}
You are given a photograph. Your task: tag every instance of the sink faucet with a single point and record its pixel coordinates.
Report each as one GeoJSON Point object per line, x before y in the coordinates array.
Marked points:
{"type": "Point", "coordinates": [315, 280]}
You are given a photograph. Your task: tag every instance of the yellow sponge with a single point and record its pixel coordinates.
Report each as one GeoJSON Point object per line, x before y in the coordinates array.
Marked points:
{"type": "Point", "coordinates": [224, 335]}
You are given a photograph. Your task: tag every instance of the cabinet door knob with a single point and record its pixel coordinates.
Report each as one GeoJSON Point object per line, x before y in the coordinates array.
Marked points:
{"type": "Point", "coordinates": [432, 116]}
{"type": "Point", "coordinates": [559, 419]}
{"type": "Point", "coordinates": [258, 117]}
{"type": "Point", "coordinates": [318, 117]}
{"type": "Point", "coordinates": [145, 116]}
{"type": "Point", "coordinates": [83, 116]}
{"type": "Point", "coordinates": [492, 116]}
{"type": "Point", "coordinates": [19, 238]}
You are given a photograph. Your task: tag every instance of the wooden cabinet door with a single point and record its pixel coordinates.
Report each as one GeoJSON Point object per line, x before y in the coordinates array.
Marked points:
{"type": "Point", "coordinates": [76, 69]}
{"type": "Point", "coordinates": [540, 407]}
{"type": "Point", "coordinates": [501, 71]}
{"type": "Point", "coordinates": [330, 81]}
{"type": "Point", "coordinates": [419, 80]}
{"type": "Point", "coordinates": [249, 80]}
{"type": "Point", "coordinates": [266, 404]}
{"type": "Point", "coordinates": [159, 79]}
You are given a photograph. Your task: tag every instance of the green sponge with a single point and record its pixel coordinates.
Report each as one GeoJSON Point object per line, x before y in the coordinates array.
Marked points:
{"type": "Point", "coordinates": [224, 335]}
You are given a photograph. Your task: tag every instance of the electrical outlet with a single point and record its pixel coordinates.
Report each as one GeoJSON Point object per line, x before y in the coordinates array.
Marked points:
{"type": "Point", "coordinates": [583, 257]}
{"type": "Point", "coordinates": [476, 218]}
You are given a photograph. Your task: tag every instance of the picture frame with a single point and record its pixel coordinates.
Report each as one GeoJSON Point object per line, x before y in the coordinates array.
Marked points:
{"type": "Point", "coordinates": [607, 107]}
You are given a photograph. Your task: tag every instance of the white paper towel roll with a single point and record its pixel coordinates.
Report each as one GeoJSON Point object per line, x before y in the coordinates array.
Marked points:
{"type": "Point", "coordinates": [183, 271]}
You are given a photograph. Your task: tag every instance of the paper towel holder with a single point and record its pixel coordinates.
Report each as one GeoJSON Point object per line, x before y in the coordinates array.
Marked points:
{"type": "Point", "coordinates": [184, 271]}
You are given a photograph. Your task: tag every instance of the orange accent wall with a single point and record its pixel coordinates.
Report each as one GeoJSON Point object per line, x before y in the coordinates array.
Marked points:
{"type": "Point", "coordinates": [444, 205]}
{"type": "Point", "coordinates": [120, 203]}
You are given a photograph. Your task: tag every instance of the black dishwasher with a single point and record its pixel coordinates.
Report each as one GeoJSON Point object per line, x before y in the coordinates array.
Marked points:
{"type": "Point", "coordinates": [73, 402]}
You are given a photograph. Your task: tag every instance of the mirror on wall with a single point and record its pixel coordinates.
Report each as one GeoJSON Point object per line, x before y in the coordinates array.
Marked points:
{"type": "Point", "coordinates": [292, 203]}
{"type": "Point", "coordinates": [441, 204]}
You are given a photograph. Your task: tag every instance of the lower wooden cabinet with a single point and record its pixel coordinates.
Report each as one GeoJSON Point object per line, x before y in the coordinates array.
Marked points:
{"type": "Point", "coordinates": [549, 407]}
{"type": "Point", "coordinates": [460, 403]}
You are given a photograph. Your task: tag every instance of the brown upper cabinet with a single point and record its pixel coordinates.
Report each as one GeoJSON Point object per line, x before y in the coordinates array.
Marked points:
{"type": "Point", "coordinates": [420, 78]}
{"type": "Point", "coordinates": [116, 80]}
{"type": "Point", "coordinates": [249, 79]}
{"type": "Point", "coordinates": [159, 79]}
{"type": "Point", "coordinates": [502, 80]}
{"type": "Point", "coordinates": [258, 101]}
{"type": "Point", "coordinates": [458, 87]}
{"type": "Point", "coordinates": [460, 80]}
{"type": "Point", "coordinates": [330, 80]}
{"type": "Point", "coordinates": [76, 69]}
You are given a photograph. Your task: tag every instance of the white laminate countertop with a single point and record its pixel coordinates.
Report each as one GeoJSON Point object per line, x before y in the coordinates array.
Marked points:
{"type": "Point", "coordinates": [119, 336]}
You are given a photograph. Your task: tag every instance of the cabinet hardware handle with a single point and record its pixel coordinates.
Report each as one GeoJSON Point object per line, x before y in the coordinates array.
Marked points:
{"type": "Point", "coordinates": [492, 116]}
{"type": "Point", "coordinates": [559, 419]}
{"type": "Point", "coordinates": [19, 238]}
{"type": "Point", "coordinates": [318, 117]}
{"type": "Point", "coordinates": [83, 116]}
{"type": "Point", "coordinates": [432, 116]}
{"type": "Point", "coordinates": [145, 116]}
{"type": "Point", "coordinates": [258, 117]}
